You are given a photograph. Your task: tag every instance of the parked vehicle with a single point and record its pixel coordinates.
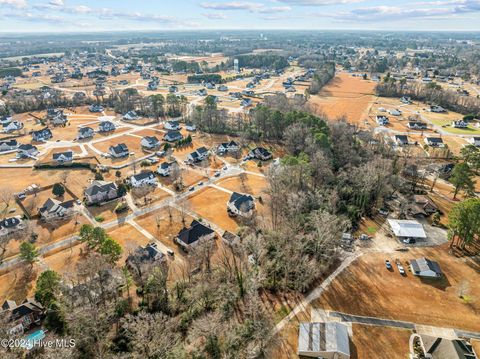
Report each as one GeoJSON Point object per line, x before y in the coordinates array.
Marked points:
{"type": "Point", "coordinates": [388, 264]}
{"type": "Point", "coordinates": [410, 241]}
{"type": "Point", "coordinates": [400, 267]}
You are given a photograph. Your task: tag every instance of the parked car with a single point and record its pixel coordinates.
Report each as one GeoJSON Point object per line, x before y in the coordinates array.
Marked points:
{"type": "Point", "coordinates": [217, 173]}
{"type": "Point", "coordinates": [170, 252]}
{"type": "Point", "coordinates": [400, 267]}
{"type": "Point", "coordinates": [410, 241]}
{"type": "Point", "coordinates": [388, 264]}
{"type": "Point", "coordinates": [192, 188]}
{"type": "Point", "coordinates": [383, 212]}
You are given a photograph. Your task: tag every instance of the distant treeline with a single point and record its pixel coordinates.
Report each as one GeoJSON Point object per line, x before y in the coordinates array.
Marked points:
{"type": "Point", "coordinates": [269, 61]}
{"type": "Point", "coordinates": [197, 79]}
{"type": "Point", "coordinates": [431, 94]}
{"type": "Point", "coordinates": [322, 76]}
{"type": "Point", "coordinates": [10, 71]}
{"type": "Point", "coordinates": [184, 66]}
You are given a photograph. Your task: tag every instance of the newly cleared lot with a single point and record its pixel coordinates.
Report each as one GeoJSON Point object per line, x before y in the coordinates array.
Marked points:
{"type": "Point", "coordinates": [368, 288]}
{"type": "Point", "coordinates": [346, 96]}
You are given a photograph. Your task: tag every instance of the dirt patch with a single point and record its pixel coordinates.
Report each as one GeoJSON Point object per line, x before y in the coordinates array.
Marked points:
{"type": "Point", "coordinates": [346, 96]}
{"type": "Point", "coordinates": [368, 288]}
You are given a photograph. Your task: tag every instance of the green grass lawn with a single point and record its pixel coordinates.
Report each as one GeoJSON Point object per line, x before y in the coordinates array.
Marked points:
{"type": "Point", "coordinates": [458, 131]}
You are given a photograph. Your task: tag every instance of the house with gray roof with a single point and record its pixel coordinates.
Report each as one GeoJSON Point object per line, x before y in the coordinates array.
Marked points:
{"type": "Point", "coordinates": [424, 267]}
{"type": "Point", "coordinates": [323, 340]}
{"type": "Point", "coordinates": [100, 191]}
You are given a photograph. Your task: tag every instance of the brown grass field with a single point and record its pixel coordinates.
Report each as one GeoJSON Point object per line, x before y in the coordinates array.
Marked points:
{"type": "Point", "coordinates": [345, 96]}
{"type": "Point", "coordinates": [254, 185]}
{"type": "Point", "coordinates": [367, 288]}
{"type": "Point", "coordinates": [129, 238]}
{"type": "Point", "coordinates": [107, 211]}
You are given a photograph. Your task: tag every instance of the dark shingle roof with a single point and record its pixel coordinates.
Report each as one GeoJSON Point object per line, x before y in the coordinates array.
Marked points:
{"type": "Point", "coordinates": [194, 233]}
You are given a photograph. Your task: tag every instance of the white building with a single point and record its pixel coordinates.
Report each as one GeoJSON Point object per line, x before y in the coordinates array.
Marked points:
{"type": "Point", "coordinates": [143, 179]}
{"type": "Point", "coordinates": [403, 228]}
{"type": "Point", "coordinates": [323, 340]}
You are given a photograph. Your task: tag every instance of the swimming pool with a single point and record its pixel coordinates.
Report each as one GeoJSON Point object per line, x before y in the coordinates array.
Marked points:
{"type": "Point", "coordinates": [32, 339]}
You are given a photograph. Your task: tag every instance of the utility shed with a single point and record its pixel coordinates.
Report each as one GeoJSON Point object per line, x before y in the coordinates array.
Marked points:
{"type": "Point", "coordinates": [323, 340]}
{"type": "Point", "coordinates": [407, 228]}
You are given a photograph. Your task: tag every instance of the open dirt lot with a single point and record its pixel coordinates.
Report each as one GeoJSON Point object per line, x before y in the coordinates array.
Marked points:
{"type": "Point", "coordinates": [129, 238]}
{"type": "Point", "coordinates": [368, 288]}
{"type": "Point", "coordinates": [211, 204]}
{"type": "Point", "coordinates": [247, 183]}
{"type": "Point", "coordinates": [345, 96]}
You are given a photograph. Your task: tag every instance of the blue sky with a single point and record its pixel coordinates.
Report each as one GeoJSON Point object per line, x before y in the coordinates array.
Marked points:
{"type": "Point", "coordinates": [102, 15]}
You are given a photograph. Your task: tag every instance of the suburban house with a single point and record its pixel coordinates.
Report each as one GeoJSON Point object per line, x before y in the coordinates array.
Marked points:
{"type": "Point", "coordinates": [475, 141]}
{"type": "Point", "coordinates": [21, 317]}
{"type": "Point", "coordinates": [59, 120]}
{"type": "Point", "coordinates": [437, 109]}
{"type": "Point", "coordinates": [54, 209]}
{"type": "Point", "coordinates": [190, 127]}
{"type": "Point", "coordinates": [172, 125]}
{"type": "Point", "coordinates": [143, 179]}
{"type": "Point", "coordinates": [323, 340]}
{"type": "Point", "coordinates": [222, 88]}
{"type": "Point", "coordinates": [404, 229]}
{"type": "Point", "coordinates": [246, 102]}
{"type": "Point", "coordinates": [106, 126]}
{"type": "Point", "coordinates": [382, 120]}
{"type": "Point", "coordinates": [442, 348]}
{"type": "Point", "coordinates": [434, 141]}
{"type": "Point", "coordinates": [95, 108]}
{"type": "Point", "coordinates": [173, 89]}
{"type": "Point", "coordinates": [424, 267]}
{"type": "Point", "coordinates": [401, 140]}
{"type": "Point", "coordinates": [11, 225]}
{"type": "Point", "coordinates": [142, 256]}
{"type": "Point", "coordinates": [63, 157]}
{"type": "Point", "coordinates": [406, 100]}
{"type": "Point", "coordinates": [202, 92]}
{"type": "Point", "coordinates": [198, 155]}
{"type": "Point", "coordinates": [260, 153]}
{"type": "Point", "coordinates": [165, 168]}
{"type": "Point", "coordinates": [189, 237]}
{"type": "Point", "coordinates": [417, 125]}
{"type": "Point", "coordinates": [85, 132]}
{"type": "Point", "coordinates": [150, 142]}
{"type": "Point", "coordinates": [100, 191]}
{"type": "Point", "coordinates": [228, 147]}
{"type": "Point", "coordinates": [395, 112]}
{"type": "Point", "coordinates": [5, 119]}
{"type": "Point", "coordinates": [119, 151]}
{"type": "Point", "coordinates": [131, 116]}
{"type": "Point", "coordinates": [459, 124]}
{"type": "Point", "coordinates": [42, 135]}
{"type": "Point", "coordinates": [173, 136]}
{"type": "Point", "coordinates": [240, 204]}
{"type": "Point", "coordinates": [27, 151]}
{"type": "Point", "coordinates": [8, 145]}
{"type": "Point", "coordinates": [12, 126]}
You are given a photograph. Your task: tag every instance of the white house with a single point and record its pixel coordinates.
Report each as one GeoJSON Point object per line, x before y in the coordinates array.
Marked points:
{"type": "Point", "coordinates": [85, 132]}
{"type": "Point", "coordinates": [27, 151]}
{"type": "Point", "coordinates": [6, 119]}
{"type": "Point", "coordinates": [240, 204]}
{"type": "Point", "coordinates": [197, 156]}
{"type": "Point", "coordinates": [165, 168]}
{"type": "Point", "coordinates": [12, 126]}
{"type": "Point", "coordinates": [150, 142]}
{"type": "Point", "coordinates": [323, 340]}
{"type": "Point", "coordinates": [228, 147]}
{"type": "Point", "coordinates": [42, 135]}
{"type": "Point", "coordinates": [53, 209]}
{"type": "Point", "coordinates": [434, 141]}
{"type": "Point", "coordinates": [395, 112]}
{"type": "Point", "coordinates": [143, 179]}
{"type": "Point", "coordinates": [8, 145]}
{"type": "Point", "coordinates": [119, 151]}
{"type": "Point", "coordinates": [100, 191]}
{"type": "Point", "coordinates": [106, 126]}
{"type": "Point", "coordinates": [424, 267]}
{"type": "Point", "coordinates": [437, 109]}
{"type": "Point", "coordinates": [403, 229]}
{"type": "Point", "coordinates": [190, 127]}
{"type": "Point", "coordinates": [417, 125]}
{"type": "Point", "coordinates": [11, 225]}
{"type": "Point", "coordinates": [382, 120]}
{"type": "Point", "coordinates": [401, 140]}
{"type": "Point", "coordinates": [63, 157]}
{"type": "Point", "coordinates": [260, 153]}
{"type": "Point", "coordinates": [172, 136]}
{"type": "Point", "coordinates": [131, 116]}
{"type": "Point", "coordinates": [475, 141]}
{"type": "Point", "coordinates": [172, 125]}
{"type": "Point", "coordinates": [459, 124]}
